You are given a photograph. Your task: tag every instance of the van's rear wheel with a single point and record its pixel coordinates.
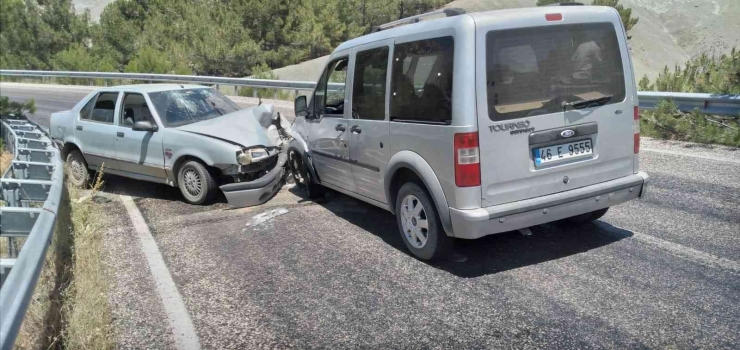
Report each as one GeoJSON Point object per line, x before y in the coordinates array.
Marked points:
{"type": "Point", "coordinates": [587, 217]}
{"type": "Point", "coordinates": [302, 176]}
{"type": "Point", "coordinates": [196, 183]}
{"type": "Point", "coordinates": [419, 224]}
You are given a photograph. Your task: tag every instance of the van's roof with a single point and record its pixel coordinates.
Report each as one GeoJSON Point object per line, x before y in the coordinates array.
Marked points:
{"type": "Point", "coordinates": [595, 12]}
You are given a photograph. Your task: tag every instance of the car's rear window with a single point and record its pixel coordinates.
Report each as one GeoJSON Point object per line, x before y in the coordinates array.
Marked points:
{"type": "Point", "coordinates": [532, 71]}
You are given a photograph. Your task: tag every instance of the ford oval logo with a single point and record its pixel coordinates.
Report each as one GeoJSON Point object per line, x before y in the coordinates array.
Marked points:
{"type": "Point", "coordinates": [567, 133]}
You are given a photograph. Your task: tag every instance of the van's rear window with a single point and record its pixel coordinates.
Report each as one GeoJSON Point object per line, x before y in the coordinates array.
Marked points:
{"type": "Point", "coordinates": [532, 71]}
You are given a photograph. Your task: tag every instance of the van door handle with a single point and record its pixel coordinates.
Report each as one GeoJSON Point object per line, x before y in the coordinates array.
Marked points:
{"type": "Point", "coordinates": [340, 127]}
{"type": "Point", "coordinates": [119, 134]}
{"type": "Point", "coordinates": [79, 127]}
{"type": "Point", "coordinates": [356, 129]}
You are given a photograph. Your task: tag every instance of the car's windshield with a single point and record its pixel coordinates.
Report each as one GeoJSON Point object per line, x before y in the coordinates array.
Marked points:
{"type": "Point", "coordinates": [181, 107]}
{"type": "Point", "coordinates": [534, 71]}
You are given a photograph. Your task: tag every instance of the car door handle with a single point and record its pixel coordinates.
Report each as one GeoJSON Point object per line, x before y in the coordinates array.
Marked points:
{"type": "Point", "coordinates": [356, 129]}
{"type": "Point", "coordinates": [119, 134]}
{"type": "Point", "coordinates": [79, 127]}
{"type": "Point", "coordinates": [340, 127]}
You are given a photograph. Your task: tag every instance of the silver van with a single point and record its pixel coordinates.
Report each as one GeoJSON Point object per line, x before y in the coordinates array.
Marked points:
{"type": "Point", "coordinates": [474, 124]}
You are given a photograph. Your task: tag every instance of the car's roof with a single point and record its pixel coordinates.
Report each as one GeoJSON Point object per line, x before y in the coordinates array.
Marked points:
{"type": "Point", "coordinates": [146, 88]}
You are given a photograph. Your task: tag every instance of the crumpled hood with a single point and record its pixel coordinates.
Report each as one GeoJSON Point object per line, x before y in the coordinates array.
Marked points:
{"type": "Point", "coordinates": [241, 127]}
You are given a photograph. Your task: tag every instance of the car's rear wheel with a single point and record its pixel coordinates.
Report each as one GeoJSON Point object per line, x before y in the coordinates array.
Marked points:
{"type": "Point", "coordinates": [587, 217]}
{"type": "Point", "coordinates": [419, 224]}
{"type": "Point", "coordinates": [303, 177]}
{"type": "Point", "coordinates": [79, 176]}
{"type": "Point", "coordinates": [196, 183]}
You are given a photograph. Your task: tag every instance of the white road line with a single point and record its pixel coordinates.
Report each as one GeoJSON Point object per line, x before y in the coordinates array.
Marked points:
{"type": "Point", "coordinates": [674, 153]}
{"type": "Point", "coordinates": [679, 250]}
{"type": "Point", "coordinates": [180, 322]}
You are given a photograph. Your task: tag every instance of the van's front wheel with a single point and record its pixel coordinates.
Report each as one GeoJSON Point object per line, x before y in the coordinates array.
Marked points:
{"type": "Point", "coordinates": [419, 224]}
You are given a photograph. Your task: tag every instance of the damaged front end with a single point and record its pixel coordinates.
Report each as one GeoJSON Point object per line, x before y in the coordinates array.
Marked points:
{"type": "Point", "coordinates": [260, 170]}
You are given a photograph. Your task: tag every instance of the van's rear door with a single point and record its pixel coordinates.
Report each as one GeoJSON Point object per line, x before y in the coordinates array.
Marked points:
{"type": "Point", "coordinates": [555, 101]}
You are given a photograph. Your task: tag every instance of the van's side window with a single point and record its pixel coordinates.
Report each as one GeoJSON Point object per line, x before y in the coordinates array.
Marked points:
{"type": "Point", "coordinates": [105, 107]}
{"type": "Point", "coordinates": [421, 84]}
{"type": "Point", "coordinates": [368, 87]}
{"type": "Point", "coordinates": [329, 96]}
{"type": "Point", "coordinates": [86, 111]}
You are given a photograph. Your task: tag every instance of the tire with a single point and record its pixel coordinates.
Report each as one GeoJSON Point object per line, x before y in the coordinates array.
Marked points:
{"type": "Point", "coordinates": [77, 169]}
{"type": "Point", "coordinates": [303, 177]}
{"type": "Point", "coordinates": [587, 217]}
{"type": "Point", "coordinates": [426, 243]}
{"type": "Point", "coordinates": [196, 183]}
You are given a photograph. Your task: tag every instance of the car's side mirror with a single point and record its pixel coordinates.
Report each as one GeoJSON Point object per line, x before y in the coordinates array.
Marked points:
{"type": "Point", "coordinates": [144, 125]}
{"type": "Point", "coordinates": [301, 107]}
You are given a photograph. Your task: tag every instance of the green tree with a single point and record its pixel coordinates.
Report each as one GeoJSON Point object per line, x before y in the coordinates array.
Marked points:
{"type": "Point", "coordinates": [715, 74]}
{"type": "Point", "coordinates": [149, 60]}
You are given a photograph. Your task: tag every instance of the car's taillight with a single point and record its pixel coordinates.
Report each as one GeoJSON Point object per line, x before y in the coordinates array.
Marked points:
{"type": "Point", "coordinates": [467, 160]}
{"type": "Point", "coordinates": [637, 130]}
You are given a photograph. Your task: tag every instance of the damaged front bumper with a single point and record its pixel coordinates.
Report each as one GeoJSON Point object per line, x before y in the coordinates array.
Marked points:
{"type": "Point", "coordinates": [251, 193]}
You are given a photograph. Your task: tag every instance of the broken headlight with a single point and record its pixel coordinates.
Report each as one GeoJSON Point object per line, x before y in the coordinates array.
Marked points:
{"type": "Point", "coordinates": [252, 155]}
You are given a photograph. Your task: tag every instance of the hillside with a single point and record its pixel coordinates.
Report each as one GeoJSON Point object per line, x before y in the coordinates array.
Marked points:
{"type": "Point", "coordinates": [669, 32]}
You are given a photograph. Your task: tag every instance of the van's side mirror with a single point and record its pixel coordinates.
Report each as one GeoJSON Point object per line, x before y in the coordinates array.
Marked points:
{"type": "Point", "coordinates": [301, 107]}
{"type": "Point", "coordinates": [144, 125]}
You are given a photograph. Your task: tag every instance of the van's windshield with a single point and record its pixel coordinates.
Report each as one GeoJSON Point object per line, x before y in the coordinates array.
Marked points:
{"type": "Point", "coordinates": [533, 71]}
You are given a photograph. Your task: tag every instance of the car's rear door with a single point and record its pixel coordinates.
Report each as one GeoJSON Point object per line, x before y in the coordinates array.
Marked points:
{"type": "Point", "coordinates": [96, 132]}
{"type": "Point", "coordinates": [555, 101]}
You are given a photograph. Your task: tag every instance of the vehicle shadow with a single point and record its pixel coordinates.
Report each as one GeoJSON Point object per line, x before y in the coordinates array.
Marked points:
{"type": "Point", "coordinates": [487, 255]}
{"type": "Point", "coordinates": [114, 184]}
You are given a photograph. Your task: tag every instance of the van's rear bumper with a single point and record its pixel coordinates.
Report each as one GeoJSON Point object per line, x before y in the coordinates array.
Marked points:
{"type": "Point", "coordinates": [475, 223]}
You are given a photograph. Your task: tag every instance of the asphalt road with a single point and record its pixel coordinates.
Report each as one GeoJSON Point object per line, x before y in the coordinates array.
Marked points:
{"type": "Point", "coordinates": [662, 272]}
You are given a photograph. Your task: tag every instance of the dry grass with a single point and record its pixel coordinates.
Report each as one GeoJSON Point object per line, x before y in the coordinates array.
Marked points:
{"type": "Point", "coordinates": [86, 309]}
{"type": "Point", "coordinates": [69, 309]}
{"type": "Point", "coordinates": [5, 158]}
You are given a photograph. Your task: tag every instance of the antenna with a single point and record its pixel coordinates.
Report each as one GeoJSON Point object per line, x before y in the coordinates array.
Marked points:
{"type": "Point", "coordinates": [450, 12]}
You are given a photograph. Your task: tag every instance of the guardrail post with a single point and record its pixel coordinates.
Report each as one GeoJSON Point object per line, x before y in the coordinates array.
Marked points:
{"type": "Point", "coordinates": [274, 96]}
{"type": "Point", "coordinates": [254, 93]}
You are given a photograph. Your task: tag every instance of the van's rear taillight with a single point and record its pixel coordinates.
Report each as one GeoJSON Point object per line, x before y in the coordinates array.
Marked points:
{"type": "Point", "coordinates": [467, 160]}
{"type": "Point", "coordinates": [637, 129]}
{"type": "Point", "coordinates": [554, 17]}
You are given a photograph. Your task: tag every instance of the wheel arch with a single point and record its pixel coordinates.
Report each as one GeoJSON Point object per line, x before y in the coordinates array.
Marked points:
{"type": "Point", "coordinates": [69, 147]}
{"type": "Point", "coordinates": [184, 158]}
{"type": "Point", "coordinates": [407, 166]}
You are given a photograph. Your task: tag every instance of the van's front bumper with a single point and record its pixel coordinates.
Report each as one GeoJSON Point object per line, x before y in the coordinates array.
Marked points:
{"type": "Point", "coordinates": [475, 223]}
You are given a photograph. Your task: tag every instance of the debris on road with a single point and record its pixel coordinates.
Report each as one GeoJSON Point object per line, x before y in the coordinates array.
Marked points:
{"type": "Point", "coordinates": [266, 216]}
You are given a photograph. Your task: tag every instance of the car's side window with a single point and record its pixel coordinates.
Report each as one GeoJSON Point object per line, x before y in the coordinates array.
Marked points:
{"type": "Point", "coordinates": [421, 83]}
{"type": "Point", "coordinates": [86, 111]}
{"type": "Point", "coordinates": [134, 110]}
{"type": "Point", "coordinates": [329, 95]}
{"type": "Point", "coordinates": [368, 87]}
{"type": "Point", "coordinates": [104, 108]}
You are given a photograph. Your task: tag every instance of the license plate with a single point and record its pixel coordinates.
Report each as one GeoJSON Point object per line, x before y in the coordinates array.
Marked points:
{"type": "Point", "coordinates": [562, 152]}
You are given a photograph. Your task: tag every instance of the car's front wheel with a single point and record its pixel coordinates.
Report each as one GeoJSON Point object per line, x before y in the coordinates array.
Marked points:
{"type": "Point", "coordinates": [77, 171]}
{"type": "Point", "coordinates": [419, 224]}
{"type": "Point", "coordinates": [196, 183]}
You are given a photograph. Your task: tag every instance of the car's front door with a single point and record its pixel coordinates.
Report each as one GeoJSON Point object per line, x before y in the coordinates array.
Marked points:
{"type": "Point", "coordinates": [327, 127]}
{"type": "Point", "coordinates": [138, 152]}
{"type": "Point", "coordinates": [96, 132]}
{"type": "Point", "coordinates": [369, 133]}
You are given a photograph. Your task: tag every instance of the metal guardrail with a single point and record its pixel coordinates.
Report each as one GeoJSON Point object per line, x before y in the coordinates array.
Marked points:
{"type": "Point", "coordinates": [31, 190]}
{"type": "Point", "coordinates": [728, 105]}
